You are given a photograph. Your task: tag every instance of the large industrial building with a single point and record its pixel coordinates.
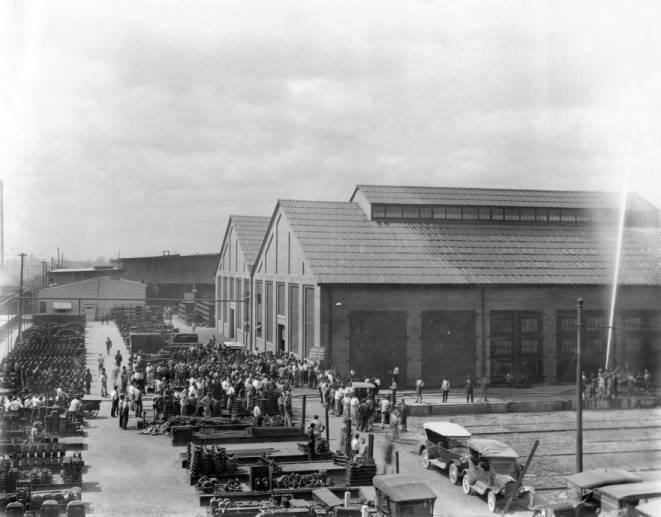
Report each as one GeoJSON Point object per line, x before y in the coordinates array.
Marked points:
{"type": "Point", "coordinates": [450, 282]}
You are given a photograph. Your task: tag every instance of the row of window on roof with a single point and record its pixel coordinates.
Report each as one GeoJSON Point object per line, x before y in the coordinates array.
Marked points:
{"type": "Point", "coordinates": [486, 213]}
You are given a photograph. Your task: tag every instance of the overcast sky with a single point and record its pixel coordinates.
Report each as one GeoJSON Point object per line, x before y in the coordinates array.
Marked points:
{"type": "Point", "coordinates": [140, 126]}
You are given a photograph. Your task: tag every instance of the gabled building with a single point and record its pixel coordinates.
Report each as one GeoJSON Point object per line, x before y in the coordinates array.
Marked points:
{"type": "Point", "coordinates": [241, 242]}
{"type": "Point", "coordinates": [455, 282]}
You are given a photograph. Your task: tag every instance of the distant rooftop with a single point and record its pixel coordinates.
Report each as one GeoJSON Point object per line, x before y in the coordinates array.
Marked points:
{"type": "Point", "coordinates": [397, 194]}
{"type": "Point", "coordinates": [250, 231]}
{"type": "Point", "coordinates": [82, 269]}
{"type": "Point", "coordinates": [166, 256]}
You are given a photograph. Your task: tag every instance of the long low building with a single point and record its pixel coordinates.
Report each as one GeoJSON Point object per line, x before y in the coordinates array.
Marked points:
{"type": "Point", "coordinates": [93, 298]}
{"type": "Point", "coordinates": [447, 282]}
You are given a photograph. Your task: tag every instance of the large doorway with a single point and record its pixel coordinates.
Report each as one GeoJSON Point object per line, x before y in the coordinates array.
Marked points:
{"type": "Point", "coordinates": [448, 347]}
{"type": "Point", "coordinates": [282, 345]}
{"type": "Point", "coordinates": [377, 344]}
{"type": "Point", "coordinates": [516, 345]}
{"type": "Point", "coordinates": [232, 325]}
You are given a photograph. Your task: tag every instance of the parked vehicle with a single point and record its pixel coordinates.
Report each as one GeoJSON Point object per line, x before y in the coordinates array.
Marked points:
{"type": "Point", "coordinates": [493, 471]}
{"type": "Point", "coordinates": [403, 496]}
{"type": "Point", "coordinates": [618, 500]}
{"type": "Point", "coordinates": [582, 501]}
{"type": "Point", "coordinates": [363, 390]}
{"type": "Point", "coordinates": [444, 446]}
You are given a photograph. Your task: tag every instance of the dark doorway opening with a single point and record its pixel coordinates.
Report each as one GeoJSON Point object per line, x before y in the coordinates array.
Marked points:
{"type": "Point", "coordinates": [232, 324]}
{"type": "Point", "coordinates": [281, 338]}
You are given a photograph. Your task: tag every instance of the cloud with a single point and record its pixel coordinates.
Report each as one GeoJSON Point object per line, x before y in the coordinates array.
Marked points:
{"type": "Point", "coordinates": [143, 126]}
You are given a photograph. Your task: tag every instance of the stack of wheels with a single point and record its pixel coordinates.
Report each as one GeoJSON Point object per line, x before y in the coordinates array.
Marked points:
{"type": "Point", "coordinates": [360, 474]}
{"type": "Point", "coordinates": [195, 464]}
{"type": "Point", "coordinates": [293, 481]}
{"type": "Point", "coordinates": [4, 475]}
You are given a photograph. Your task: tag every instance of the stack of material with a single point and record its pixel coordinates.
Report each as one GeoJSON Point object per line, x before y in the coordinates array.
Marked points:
{"type": "Point", "coordinates": [209, 461]}
{"type": "Point", "coordinates": [360, 474]}
{"type": "Point", "coordinates": [8, 476]}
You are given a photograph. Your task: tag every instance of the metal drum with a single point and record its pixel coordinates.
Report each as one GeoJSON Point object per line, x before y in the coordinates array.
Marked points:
{"type": "Point", "coordinates": [50, 508]}
{"type": "Point", "coordinates": [14, 509]}
{"type": "Point", "coordinates": [76, 509]}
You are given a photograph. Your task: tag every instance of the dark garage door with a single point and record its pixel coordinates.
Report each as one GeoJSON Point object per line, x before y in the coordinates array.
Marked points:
{"type": "Point", "coordinates": [448, 347]}
{"type": "Point", "coordinates": [378, 343]}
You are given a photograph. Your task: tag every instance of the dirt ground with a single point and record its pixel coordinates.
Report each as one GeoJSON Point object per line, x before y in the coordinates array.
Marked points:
{"type": "Point", "coordinates": [133, 475]}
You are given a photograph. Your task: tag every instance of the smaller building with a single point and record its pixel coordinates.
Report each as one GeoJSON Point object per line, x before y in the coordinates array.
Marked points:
{"type": "Point", "coordinates": [94, 297]}
{"type": "Point", "coordinates": [66, 275]}
{"type": "Point", "coordinates": [243, 237]}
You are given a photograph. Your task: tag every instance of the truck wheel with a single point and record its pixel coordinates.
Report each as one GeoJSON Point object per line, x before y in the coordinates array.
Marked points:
{"type": "Point", "coordinates": [491, 501]}
{"type": "Point", "coordinates": [424, 458]}
{"type": "Point", "coordinates": [453, 474]}
{"type": "Point", "coordinates": [530, 500]}
{"type": "Point", "coordinates": [466, 484]}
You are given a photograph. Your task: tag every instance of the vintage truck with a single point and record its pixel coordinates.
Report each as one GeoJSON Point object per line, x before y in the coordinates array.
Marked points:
{"type": "Point", "coordinates": [493, 470]}
{"type": "Point", "coordinates": [443, 445]}
{"type": "Point", "coordinates": [403, 496]}
{"type": "Point", "coordinates": [582, 496]}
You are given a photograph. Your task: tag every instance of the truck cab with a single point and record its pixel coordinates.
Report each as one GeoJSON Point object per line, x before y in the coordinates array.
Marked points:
{"type": "Point", "coordinates": [403, 496]}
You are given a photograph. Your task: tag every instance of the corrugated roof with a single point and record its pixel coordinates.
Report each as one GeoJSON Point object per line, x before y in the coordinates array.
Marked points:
{"type": "Point", "coordinates": [250, 232]}
{"type": "Point", "coordinates": [398, 194]}
{"type": "Point", "coordinates": [343, 246]}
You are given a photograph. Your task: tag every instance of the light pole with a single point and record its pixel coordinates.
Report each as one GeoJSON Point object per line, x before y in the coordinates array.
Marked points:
{"type": "Point", "coordinates": [579, 387]}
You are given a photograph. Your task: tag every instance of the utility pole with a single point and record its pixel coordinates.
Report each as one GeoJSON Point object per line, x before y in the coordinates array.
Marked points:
{"type": "Point", "coordinates": [20, 302]}
{"type": "Point", "coordinates": [579, 387]}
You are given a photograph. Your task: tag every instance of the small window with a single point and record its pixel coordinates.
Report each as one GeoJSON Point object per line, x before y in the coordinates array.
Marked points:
{"type": "Point", "coordinates": [529, 346]}
{"type": "Point", "coordinates": [484, 213]}
{"type": "Point", "coordinates": [378, 211]}
{"type": "Point", "coordinates": [541, 214]}
{"type": "Point", "coordinates": [502, 346]}
{"type": "Point", "coordinates": [568, 215]}
{"type": "Point", "coordinates": [595, 344]}
{"type": "Point", "coordinates": [633, 322]}
{"type": "Point", "coordinates": [554, 214]}
{"type": "Point", "coordinates": [497, 214]}
{"type": "Point", "coordinates": [568, 345]}
{"type": "Point", "coordinates": [411, 212]}
{"type": "Point", "coordinates": [527, 214]}
{"type": "Point", "coordinates": [425, 212]}
{"type": "Point", "coordinates": [529, 324]}
{"type": "Point", "coordinates": [503, 324]}
{"type": "Point", "coordinates": [470, 213]}
{"type": "Point", "coordinates": [594, 323]}
{"type": "Point", "coordinates": [453, 212]}
{"type": "Point", "coordinates": [512, 214]}
{"type": "Point", "coordinates": [568, 323]}
{"type": "Point", "coordinates": [394, 212]}
{"type": "Point", "coordinates": [439, 212]}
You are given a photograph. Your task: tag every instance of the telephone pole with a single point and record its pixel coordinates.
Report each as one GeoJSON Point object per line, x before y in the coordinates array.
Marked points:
{"type": "Point", "coordinates": [20, 302]}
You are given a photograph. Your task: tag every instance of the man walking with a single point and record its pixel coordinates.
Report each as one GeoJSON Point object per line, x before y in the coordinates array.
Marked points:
{"type": "Point", "coordinates": [118, 358]}
{"type": "Point", "coordinates": [108, 345]}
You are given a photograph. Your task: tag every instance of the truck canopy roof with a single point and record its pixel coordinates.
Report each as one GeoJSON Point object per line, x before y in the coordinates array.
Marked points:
{"type": "Point", "coordinates": [400, 488]}
{"type": "Point", "coordinates": [492, 448]}
{"type": "Point", "coordinates": [602, 477]}
{"type": "Point", "coordinates": [447, 429]}
{"type": "Point", "coordinates": [631, 490]}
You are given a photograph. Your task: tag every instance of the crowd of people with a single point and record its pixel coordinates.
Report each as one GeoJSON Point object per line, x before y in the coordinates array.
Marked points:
{"type": "Point", "coordinates": [618, 382]}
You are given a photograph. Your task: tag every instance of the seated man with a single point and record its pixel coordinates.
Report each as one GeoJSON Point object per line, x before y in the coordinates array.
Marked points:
{"type": "Point", "coordinates": [75, 411]}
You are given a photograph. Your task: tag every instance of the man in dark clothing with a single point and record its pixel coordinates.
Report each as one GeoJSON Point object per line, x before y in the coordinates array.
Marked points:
{"type": "Point", "coordinates": [123, 412]}
{"type": "Point", "coordinates": [108, 345]}
{"type": "Point", "coordinates": [118, 358]}
{"type": "Point", "coordinates": [311, 441]}
{"type": "Point", "coordinates": [469, 388]}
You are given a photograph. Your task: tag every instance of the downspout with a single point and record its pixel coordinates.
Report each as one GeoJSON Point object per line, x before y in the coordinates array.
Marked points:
{"type": "Point", "coordinates": [483, 337]}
